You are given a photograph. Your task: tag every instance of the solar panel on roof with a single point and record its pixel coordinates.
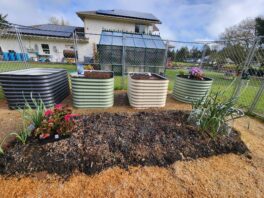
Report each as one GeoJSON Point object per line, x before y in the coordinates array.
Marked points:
{"type": "Point", "coordinates": [47, 30]}
{"type": "Point", "coordinates": [129, 14]}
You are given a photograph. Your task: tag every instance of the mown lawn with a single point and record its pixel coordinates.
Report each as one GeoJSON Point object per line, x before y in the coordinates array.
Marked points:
{"type": "Point", "coordinates": [221, 83]}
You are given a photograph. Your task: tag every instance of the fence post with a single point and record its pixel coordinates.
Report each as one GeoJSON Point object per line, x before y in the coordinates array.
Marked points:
{"type": "Point", "coordinates": [205, 47]}
{"type": "Point", "coordinates": [257, 98]}
{"type": "Point", "coordinates": [165, 57]}
{"type": "Point", "coordinates": [123, 62]}
{"type": "Point", "coordinates": [74, 36]}
{"type": "Point", "coordinates": [247, 63]}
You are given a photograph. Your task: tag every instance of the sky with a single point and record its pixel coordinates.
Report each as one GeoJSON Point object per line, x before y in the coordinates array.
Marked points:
{"type": "Point", "coordinates": [182, 20]}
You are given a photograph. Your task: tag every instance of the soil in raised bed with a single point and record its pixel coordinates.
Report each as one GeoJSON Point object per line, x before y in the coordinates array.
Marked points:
{"type": "Point", "coordinates": [146, 77]}
{"type": "Point", "coordinates": [98, 75]}
{"type": "Point", "coordinates": [103, 140]}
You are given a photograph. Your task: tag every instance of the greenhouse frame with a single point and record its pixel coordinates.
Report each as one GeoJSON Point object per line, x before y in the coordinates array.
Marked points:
{"type": "Point", "coordinates": [131, 52]}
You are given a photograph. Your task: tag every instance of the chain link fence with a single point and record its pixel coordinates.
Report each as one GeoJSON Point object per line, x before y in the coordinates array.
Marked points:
{"type": "Point", "coordinates": [237, 66]}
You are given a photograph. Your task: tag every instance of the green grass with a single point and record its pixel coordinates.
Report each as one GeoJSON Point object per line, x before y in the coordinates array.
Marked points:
{"type": "Point", "coordinates": [220, 82]}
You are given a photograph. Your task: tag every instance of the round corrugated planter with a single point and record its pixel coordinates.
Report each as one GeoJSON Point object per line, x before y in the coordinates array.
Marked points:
{"type": "Point", "coordinates": [147, 93]}
{"type": "Point", "coordinates": [189, 90]}
{"type": "Point", "coordinates": [92, 93]}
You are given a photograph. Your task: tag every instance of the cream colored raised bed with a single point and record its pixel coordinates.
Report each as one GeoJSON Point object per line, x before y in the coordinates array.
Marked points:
{"type": "Point", "coordinates": [147, 91]}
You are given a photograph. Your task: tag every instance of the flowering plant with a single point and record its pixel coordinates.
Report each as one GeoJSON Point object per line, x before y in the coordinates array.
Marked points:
{"type": "Point", "coordinates": [196, 73]}
{"type": "Point", "coordinates": [57, 121]}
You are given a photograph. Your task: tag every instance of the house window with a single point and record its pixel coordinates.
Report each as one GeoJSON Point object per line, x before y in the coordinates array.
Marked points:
{"type": "Point", "coordinates": [45, 48]}
{"type": "Point", "coordinates": [140, 28]}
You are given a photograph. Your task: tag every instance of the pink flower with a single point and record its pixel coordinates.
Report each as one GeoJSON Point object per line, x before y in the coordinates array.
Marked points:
{"type": "Point", "coordinates": [69, 116]}
{"type": "Point", "coordinates": [48, 113]}
{"type": "Point", "coordinates": [58, 106]}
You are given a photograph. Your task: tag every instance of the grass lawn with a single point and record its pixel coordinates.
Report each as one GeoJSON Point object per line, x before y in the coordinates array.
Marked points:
{"type": "Point", "coordinates": [220, 82]}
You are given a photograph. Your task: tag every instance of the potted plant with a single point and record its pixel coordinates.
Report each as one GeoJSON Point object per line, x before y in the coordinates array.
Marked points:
{"type": "Point", "coordinates": [191, 87]}
{"type": "Point", "coordinates": [93, 89]}
{"type": "Point", "coordinates": [147, 90]}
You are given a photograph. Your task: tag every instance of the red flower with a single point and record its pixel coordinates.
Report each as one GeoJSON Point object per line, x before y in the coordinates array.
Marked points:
{"type": "Point", "coordinates": [58, 106]}
{"type": "Point", "coordinates": [69, 116]}
{"type": "Point", "coordinates": [48, 113]}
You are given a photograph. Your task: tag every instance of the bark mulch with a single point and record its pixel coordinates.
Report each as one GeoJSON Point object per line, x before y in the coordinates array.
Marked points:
{"type": "Point", "coordinates": [103, 140]}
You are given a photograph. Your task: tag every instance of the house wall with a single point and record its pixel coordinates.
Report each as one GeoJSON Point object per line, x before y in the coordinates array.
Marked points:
{"type": "Point", "coordinates": [11, 43]}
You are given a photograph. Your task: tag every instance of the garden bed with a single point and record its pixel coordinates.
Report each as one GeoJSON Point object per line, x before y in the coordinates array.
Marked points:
{"type": "Point", "coordinates": [103, 140]}
{"type": "Point", "coordinates": [147, 90]}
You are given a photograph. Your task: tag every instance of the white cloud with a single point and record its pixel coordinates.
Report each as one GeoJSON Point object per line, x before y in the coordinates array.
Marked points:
{"type": "Point", "coordinates": [227, 13]}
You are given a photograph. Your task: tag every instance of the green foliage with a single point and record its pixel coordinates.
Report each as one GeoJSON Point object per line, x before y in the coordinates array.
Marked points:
{"type": "Point", "coordinates": [22, 136]}
{"type": "Point", "coordinates": [211, 113]}
{"type": "Point", "coordinates": [260, 27]}
{"type": "Point", "coordinates": [3, 20]}
{"type": "Point", "coordinates": [34, 115]}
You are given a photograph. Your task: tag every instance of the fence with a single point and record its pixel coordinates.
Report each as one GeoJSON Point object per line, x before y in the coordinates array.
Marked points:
{"type": "Point", "coordinates": [237, 65]}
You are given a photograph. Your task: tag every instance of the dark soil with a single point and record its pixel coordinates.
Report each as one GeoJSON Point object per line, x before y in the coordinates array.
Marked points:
{"type": "Point", "coordinates": [190, 77]}
{"type": "Point", "coordinates": [146, 77]}
{"type": "Point", "coordinates": [97, 75]}
{"type": "Point", "coordinates": [104, 140]}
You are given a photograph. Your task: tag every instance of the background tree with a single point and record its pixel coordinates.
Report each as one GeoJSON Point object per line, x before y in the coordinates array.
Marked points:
{"type": "Point", "coordinates": [260, 27]}
{"type": "Point", "coordinates": [3, 20]}
{"type": "Point", "coordinates": [57, 21]}
{"type": "Point", "coordinates": [241, 33]}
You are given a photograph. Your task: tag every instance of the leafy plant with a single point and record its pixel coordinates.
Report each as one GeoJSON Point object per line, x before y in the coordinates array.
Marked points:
{"type": "Point", "coordinates": [211, 114]}
{"type": "Point", "coordinates": [181, 72]}
{"type": "Point", "coordinates": [34, 115]}
{"type": "Point", "coordinates": [22, 136]}
{"type": "Point", "coordinates": [56, 121]}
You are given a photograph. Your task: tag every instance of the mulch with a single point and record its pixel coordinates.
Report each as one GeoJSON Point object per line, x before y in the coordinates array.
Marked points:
{"type": "Point", "coordinates": [103, 140]}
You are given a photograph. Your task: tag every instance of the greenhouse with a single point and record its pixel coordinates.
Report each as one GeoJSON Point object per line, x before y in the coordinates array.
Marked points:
{"type": "Point", "coordinates": [142, 52]}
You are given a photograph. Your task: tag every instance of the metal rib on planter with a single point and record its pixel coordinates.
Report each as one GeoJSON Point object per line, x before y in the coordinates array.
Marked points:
{"type": "Point", "coordinates": [49, 85]}
{"type": "Point", "coordinates": [89, 93]}
{"type": "Point", "coordinates": [147, 93]}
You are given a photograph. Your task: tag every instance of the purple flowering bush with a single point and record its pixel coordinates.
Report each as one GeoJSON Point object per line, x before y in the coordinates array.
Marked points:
{"type": "Point", "coordinates": [196, 73]}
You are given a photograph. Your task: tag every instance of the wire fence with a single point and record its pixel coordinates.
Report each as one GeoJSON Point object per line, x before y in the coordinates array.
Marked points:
{"type": "Point", "coordinates": [236, 66]}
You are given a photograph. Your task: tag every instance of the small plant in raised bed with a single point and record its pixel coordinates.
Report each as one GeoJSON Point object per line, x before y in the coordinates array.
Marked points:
{"type": "Point", "coordinates": [211, 114]}
{"type": "Point", "coordinates": [57, 122]}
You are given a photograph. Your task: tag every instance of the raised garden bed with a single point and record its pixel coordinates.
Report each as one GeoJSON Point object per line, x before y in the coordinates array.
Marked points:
{"type": "Point", "coordinates": [147, 90]}
{"type": "Point", "coordinates": [103, 140]}
{"type": "Point", "coordinates": [93, 89]}
{"type": "Point", "coordinates": [49, 85]}
{"type": "Point", "coordinates": [189, 90]}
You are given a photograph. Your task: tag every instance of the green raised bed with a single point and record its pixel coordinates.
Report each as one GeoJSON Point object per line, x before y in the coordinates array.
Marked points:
{"type": "Point", "coordinates": [92, 93]}
{"type": "Point", "coordinates": [189, 90]}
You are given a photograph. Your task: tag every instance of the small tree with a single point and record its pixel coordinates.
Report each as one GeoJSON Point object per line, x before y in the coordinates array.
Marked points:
{"type": "Point", "coordinates": [57, 21]}
{"type": "Point", "coordinates": [3, 20]}
{"type": "Point", "coordinates": [260, 27]}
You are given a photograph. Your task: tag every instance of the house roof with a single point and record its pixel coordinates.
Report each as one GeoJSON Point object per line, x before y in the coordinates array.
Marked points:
{"type": "Point", "coordinates": [127, 14]}
{"type": "Point", "coordinates": [131, 40]}
{"type": "Point", "coordinates": [51, 30]}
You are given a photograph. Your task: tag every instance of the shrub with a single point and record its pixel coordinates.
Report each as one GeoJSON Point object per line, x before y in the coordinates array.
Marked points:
{"type": "Point", "coordinates": [211, 114]}
{"type": "Point", "coordinates": [56, 121]}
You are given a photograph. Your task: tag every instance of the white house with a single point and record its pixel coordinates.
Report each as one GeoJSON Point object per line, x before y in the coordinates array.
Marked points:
{"type": "Point", "coordinates": [49, 41]}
